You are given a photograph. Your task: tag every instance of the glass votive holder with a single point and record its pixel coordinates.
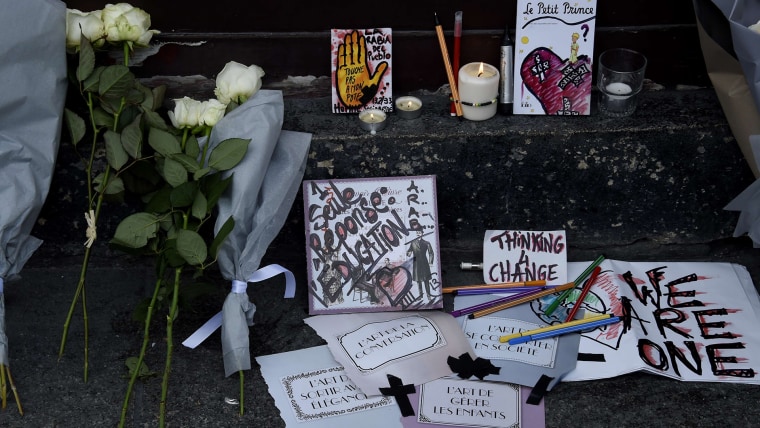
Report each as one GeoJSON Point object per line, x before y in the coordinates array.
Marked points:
{"type": "Point", "coordinates": [620, 79]}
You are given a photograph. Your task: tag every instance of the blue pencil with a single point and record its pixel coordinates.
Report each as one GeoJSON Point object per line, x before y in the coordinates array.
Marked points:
{"type": "Point", "coordinates": [561, 331]}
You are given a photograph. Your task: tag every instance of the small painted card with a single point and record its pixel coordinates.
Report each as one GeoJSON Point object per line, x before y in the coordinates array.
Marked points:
{"type": "Point", "coordinates": [372, 244]}
{"type": "Point", "coordinates": [525, 255]}
{"type": "Point", "coordinates": [554, 47]}
{"type": "Point", "coordinates": [361, 69]}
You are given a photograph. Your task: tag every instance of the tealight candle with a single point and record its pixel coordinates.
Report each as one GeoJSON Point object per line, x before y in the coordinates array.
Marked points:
{"type": "Point", "coordinates": [409, 107]}
{"type": "Point", "coordinates": [478, 90]}
{"type": "Point", "coordinates": [372, 120]}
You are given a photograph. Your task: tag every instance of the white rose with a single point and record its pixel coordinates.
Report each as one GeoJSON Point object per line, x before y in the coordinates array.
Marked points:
{"type": "Point", "coordinates": [126, 23]}
{"type": "Point", "coordinates": [755, 27]}
{"type": "Point", "coordinates": [237, 82]}
{"type": "Point", "coordinates": [186, 114]}
{"type": "Point", "coordinates": [79, 23]}
{"type": "Point", "coordinates": [212, 111]}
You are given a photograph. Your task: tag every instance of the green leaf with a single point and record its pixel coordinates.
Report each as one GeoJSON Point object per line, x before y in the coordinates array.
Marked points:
{"type": "Point", "coordinates": [86, 59]}
{"type": "Point", "coordinates": [92, 81]}
{"type": "Point", "coordinates": [111, 106]}
{"type": "Point", "coordinates": [159, 93]}
{"type": "Point", "coordinates": [192, 148]}
{"type": "Point", "coordinates": [172, 255]}
{"type": "Point", "coordinates": [214, 188]}
{"type": "Point", "coordinates": [116, 81]}
{"type": "Point", "coordinates": [114, 186]}
{"type": "Point", "coordinates": [228, 153]}
{"type": "Point", "coordinates": [142, 371]}
{"type": "Point", "coordinates": [132, 137]}
{"type": "Point", "coordinates": [191, 247]}
{"type": "Point", "coordinates": [200, 207]}
{"type": "Point", "coordinates": [115, 153]}
{"type": "Point", "coordinates": [102, 118]}
{"type": "Point", "coordinates": [135, 230]}
{"type": "Point", "coordinates": [163, 142]}
{"type": "Point", "coordinates": [184, 194]}
{"type": "Point", "coordinates": [75, 125]}
{"type": "Point", "coordinates": [147, 102]}
{"type": "Point", "coordinates": [224, 231]}
{"type": "Point", "coordinates": [201, 173]}
{"type": "Point", "coordinates": [159, 201]}
{"type": "Point", "coordinates": [189, 163]}
{"type": "Point", "coordinates": [173, 172]}
{"type": "Point", "coordinates": [154, 120]}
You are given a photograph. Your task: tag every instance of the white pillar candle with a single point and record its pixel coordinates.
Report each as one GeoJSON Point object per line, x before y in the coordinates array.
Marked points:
{"type": "Point", "coordinates": [478, 90]}
{"type": "Point", "coordinates": [409, 107]}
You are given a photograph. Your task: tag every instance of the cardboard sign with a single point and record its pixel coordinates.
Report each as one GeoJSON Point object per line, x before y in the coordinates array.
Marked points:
{"type": "Point", "coordinates": [524, 255]}
{"type": "Point", "coordinates": [361, 70]}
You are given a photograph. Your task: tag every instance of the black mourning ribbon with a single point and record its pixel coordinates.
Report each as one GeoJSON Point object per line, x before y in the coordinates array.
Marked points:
{"type": "Point", "coordinates": [539, 390]}
{"type": "Point", "coordinates": [400, 392]}
{"type": "Point", "coordinates": [465, 367]}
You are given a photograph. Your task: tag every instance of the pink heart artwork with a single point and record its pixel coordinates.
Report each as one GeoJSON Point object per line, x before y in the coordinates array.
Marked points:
{"type": "Point", "coordinates": [562, 88]}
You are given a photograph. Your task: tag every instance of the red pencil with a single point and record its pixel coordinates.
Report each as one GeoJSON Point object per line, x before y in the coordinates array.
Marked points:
{"type": "Point", "coordinates": [584, 291]}
{"type": "Point", "coordinates": [457, 48]}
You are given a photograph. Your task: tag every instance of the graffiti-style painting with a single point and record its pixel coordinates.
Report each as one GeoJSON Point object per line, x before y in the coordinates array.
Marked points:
{"type": "Point", "coordinates": [554, 46]}
{"type": "Point", "coordinates": [372, 244]}
{"type": "Point", "coordinates": [361, 70]}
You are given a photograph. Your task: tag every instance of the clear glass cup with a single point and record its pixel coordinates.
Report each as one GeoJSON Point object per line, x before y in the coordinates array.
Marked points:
{"type": "Point", "coordinates": [620, 79]}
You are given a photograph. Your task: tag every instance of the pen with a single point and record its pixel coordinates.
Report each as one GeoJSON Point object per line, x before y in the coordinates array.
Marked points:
{"type": "Point", "coordinates": [521, 300]}
{"type": "Point", "coordinates": [479, 291]}
{"type": "Point", "coordinates": [485, 305]}
{"type": "Point", "coordinates": [504, 339]}
{"type": "Point", "coordinates": [553, 305]}
{"type": "Point", "coordinates": [457, 49]}
{"type": "Point", "coordinates": [453, 289]}
{"type": "Point", "coordinates": [561, 331]}
{"type": "Point", "coordinates": [584, 292]}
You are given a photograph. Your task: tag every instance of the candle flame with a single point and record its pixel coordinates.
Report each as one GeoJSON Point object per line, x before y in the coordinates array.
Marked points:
{"type": "Point", "coordinates": [480, 70]}
{"type": "Point", "coordinates": [372, 117]}
{"type": "Point", "coordinates": [410, 104]}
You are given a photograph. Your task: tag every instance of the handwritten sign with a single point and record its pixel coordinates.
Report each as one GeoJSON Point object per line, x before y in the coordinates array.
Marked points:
{"type": "Point", "coordinates": [470, 403]}
{"type": "Point", "coordinates": [375, 344]}
{"type": "Point", "coordinates": [685, 320]}
{"type": "Point", "coordinates": [484, 333]}
{"type": "Point", "coordinates": [372, 245]}
{"type": "Point", "coordinates": [361, 69]}
{"type": "Point", "coordinates": [523, 255]}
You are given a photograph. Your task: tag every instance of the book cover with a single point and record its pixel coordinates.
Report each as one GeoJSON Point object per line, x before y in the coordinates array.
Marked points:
{"type": "Point", "coordinates": [554, 47]}
{"type": "Point", "coordinates": [361, 69]}
{"type": "Point", "coordinates": [372, 244]}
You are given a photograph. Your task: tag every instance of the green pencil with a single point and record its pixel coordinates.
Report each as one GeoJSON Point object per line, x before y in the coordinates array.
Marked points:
{"type": "Point", "coordinates": [553, 305]}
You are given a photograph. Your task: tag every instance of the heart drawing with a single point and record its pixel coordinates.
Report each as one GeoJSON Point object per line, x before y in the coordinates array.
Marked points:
{"type": "Point", "coordinates": [562, 88]}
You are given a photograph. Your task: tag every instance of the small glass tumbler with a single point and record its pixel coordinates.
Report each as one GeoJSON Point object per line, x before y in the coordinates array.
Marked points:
{"type": "Point", "coordinates": [620, 79]}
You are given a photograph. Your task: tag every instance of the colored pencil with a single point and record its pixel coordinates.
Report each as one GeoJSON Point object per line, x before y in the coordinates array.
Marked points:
{"type": "Point", "coordinates": [453, 289]}
{"type": "Point", "coordinates": [561, 331]}
{"type": "Point", "coordinates": [457, 49]}
{"type": "Point", "coordinates": [504, 339]}
{"type": "Point", "coordinates": [485, 305]}
{"type": "Point", "coordinates": [480, 291]}
{"type": "Point", "coordinates": [447, 64]}
{"type": "Point", "coordinates": [521, 300]}
{"type": "Point", "coordinates": [584, 292]}
{"type": "Point", "coordinates": [553, 305]}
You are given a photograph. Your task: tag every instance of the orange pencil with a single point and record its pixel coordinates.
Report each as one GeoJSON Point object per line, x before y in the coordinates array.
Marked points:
{"type": "Point", "coordinates": [447, 64]}
{"type": "Point", "coordinates": [522, 300]}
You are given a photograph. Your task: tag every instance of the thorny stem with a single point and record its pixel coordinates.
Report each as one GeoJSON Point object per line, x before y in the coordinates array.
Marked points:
{"type": "Point", "coordinates": [241, 391]}
{"type": "Point", "coordinates": [146, 339]}
{"type": "Point", "coordinates": [169, 338]}
{"type": "Point", "coordinates": [81, 289]}
{"type": "Point", "coordinates": [6, 370]}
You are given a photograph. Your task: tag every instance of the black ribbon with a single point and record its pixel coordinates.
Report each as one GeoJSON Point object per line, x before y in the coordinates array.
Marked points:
{"type": "Point", "coordinates": [400, 392]}
{"type": "Point", "coordinates": [539, 390]}
{"type": "Point", "coordinates": [465, 367]}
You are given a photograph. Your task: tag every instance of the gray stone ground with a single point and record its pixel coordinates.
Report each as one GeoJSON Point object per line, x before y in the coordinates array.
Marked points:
{"type": "Point", "coordinates": [651, 187]}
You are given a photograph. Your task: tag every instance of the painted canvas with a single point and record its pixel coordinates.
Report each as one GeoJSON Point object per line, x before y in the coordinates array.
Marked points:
{"type": "Point", "coordinates": [554, 46]}
{"type": "Point", "coordinates": [372, 244]}
{"type": "Point", "coordinates": [361, 69]}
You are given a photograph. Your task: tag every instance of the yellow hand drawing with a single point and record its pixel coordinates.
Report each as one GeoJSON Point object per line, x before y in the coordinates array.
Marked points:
{"type": "Point", "coordinates": [356, 86]}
